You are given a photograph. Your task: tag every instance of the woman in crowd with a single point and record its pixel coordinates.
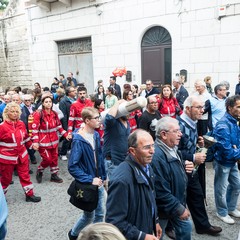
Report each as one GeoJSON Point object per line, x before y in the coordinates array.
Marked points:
{"type": "Point", "coordinates": [37, 94]}
{"type": "Point", "coordinates": [168, 105]}
{"type": "Point", "coordinates": [54, 85]}
{"type": "Point", "coordinates": [99, 105]}
{"type": "Point", "coordinates": [37, 86]}
{"type": "Point", "coordinates": [133, 116]}
{"type": "Point", "coordinates": [100, 93]}
{"type": "Point", "coordinates": [111, 99]}
{"type": "Point", "coordinates": [13, 152]}
{"type": "Point", "coordinates": [45, 128]}
{"type": "Point", "coordinates": [135, 90]}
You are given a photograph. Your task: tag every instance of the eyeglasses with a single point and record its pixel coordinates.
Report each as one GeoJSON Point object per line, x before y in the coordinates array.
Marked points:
{"type": "Point", "coordinates": [173, 131]}
{"type": "Point", "coordinates": [198, 107]}
{"type": "Point", "coordinates": [153, 102]}
{"type": "Point", "coordinates": [96, 118]}
{"type": "Point", "coordinates": [27, 100]}
{"type": "Point", "coordinates": [147, 147]}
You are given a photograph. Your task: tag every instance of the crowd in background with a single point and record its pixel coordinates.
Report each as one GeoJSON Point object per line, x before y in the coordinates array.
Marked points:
{"type": "Point", "coordinates": [49, 115]}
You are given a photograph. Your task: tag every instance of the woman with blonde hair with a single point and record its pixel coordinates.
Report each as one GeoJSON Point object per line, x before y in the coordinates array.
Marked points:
{"type": "Point", "coordinates": [100, 231]}
{"type": "Point", "coordinates": [13, 152]}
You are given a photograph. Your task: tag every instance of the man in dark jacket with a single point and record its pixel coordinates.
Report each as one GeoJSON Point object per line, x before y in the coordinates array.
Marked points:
{"type": "Point", "coordinates": [179, 91]}
{"type": "Point", "coordinates": [171, 178]}
{"type": "Point", "coordinates": [237, 88]}
{"type": "Point", "coordinates": [193, 110]}
{"type": "Point", "coordinates": [131, 203]}
{"type": "Point", "coordinates": [64, 106]}
{"type": "Point", "coordinates": [115, 86]}
{"type": "Point", "coordinates": [27, 110]}
{"type": "Point", "coordinates": [150, 90]}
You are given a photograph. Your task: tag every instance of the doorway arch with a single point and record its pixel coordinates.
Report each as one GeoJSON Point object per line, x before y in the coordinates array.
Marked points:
{"type": "Point", "coordinates": [156, 56]}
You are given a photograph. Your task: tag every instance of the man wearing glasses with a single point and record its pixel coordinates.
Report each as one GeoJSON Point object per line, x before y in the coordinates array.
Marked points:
{"type": "Point", "coordinates": [149, 118]}
{"type": "Point", "coordinates": [27, 110]}
{"type": "Point", "coordinates": [131, 203]}
{"type": "Point", "coordinates": [171, 179]}
{"type": "Point", "coordinates": [193, 110]}
{"type": "Point", "coordinates": [150, 90]}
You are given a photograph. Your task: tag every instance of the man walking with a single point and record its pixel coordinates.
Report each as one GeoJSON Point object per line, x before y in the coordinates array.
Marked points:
{"type": "Point", "coordinates": [131, 204]}
{"type": "Point", "coordinates": [226, 179]}
{"type": "Point", "coordinates": [171, 179]}
{"type": "Point", "coordinates": [193, 110]}
{"type": "Point", "coordinates": [75, 118]}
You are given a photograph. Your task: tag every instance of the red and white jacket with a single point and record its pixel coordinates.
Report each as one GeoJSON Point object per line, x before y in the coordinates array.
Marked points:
{"type": "Point", "coordinates": [13, 137]}
{"type": "Point", "coordinates": [45, 128]}
{"type": "Point", "coordinates": [132, 120]}
{"type": "Point", "coordinates": [75, 118]}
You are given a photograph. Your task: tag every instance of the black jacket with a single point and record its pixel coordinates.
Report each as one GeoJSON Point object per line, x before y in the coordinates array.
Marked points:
{"type": "Point", "coordinates": [130, 202]}
{"type": "Point", "coordinates": [64, 106]}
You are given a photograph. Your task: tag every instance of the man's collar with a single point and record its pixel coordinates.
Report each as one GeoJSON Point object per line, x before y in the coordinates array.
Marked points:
{"type": "Point", "coordinates": [188, 120]}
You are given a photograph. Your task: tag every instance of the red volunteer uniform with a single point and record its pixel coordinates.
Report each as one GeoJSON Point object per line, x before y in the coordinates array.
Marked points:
{"type": "Point", "coordinates": [13, 153]}
{"type": "Point", "coordinates": [75, 118]}
{"type": "Point", "coordinates": [45, 130]}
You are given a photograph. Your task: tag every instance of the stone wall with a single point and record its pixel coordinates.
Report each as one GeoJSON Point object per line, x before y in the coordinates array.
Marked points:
{"type": "Point", "coordinates": [15, 66]}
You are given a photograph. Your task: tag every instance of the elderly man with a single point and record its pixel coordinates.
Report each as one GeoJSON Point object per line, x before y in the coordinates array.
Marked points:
{"type": "Point", "coordinates": [179, 91]}
{"type": "Point", "coordinates": [203, 95]}
{"type": "Point", "coordinates": [171, 179]}
{"type": "Point", "coordinates": [226, 179]}
{"type": "Point", "coordinates": [193, 110]}
{"type": "Point", "coordinates": [131, 204]}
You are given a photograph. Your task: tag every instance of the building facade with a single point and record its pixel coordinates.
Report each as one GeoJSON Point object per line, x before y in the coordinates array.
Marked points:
{"type": "Point", "coordinates": [153, 39]}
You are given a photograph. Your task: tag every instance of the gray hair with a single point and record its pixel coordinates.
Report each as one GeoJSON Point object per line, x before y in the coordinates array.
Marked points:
{"type": "Point", "coordinates": [219, 87]}
{"type": "Point", "coordinates": [189, 100]}
{"type": "Point", "coordinates": [200, 82]}
{"type": "Point", "coordinates": [164, 124]}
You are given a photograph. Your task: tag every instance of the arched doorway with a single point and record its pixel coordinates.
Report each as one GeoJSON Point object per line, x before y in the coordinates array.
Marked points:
{"type": "Point", "coordinates": [156, 55]}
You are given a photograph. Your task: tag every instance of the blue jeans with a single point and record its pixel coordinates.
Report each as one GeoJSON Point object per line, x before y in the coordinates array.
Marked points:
{"type": "Point", "coordinates": [110, 167]}
{"type": "Point", "coordinates": [91, 217]}
{"type": "Point", "coordinates": [183, 228]}
{"type": "Point", "coordinates": [3, 231]}
{"type": "Point", "coordinates": [226, 188]}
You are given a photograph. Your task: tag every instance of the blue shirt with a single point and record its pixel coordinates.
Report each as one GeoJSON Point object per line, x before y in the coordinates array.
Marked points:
{"type": "Point", "coordinates": [115, 139]}
{"type": "Point", "coordinates": [3, 207]}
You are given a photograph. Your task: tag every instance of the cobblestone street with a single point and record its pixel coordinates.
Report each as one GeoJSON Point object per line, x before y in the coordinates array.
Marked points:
{"type": "Point", "coordinates": [54, 215]}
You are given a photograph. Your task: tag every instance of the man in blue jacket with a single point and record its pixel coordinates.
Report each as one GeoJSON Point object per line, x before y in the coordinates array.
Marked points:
{"type": "Point", "coordinates": [86, 165]}
{"type": "Point", "coordinates": [131, 202]}
{"type": "Point", "coordinates": [226, 179]}
{"type": "Point", "coordinates": [171, 179]}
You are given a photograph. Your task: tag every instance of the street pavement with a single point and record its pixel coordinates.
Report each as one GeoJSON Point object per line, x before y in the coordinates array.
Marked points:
{"type": "Point", "coordinates": [52, 218]}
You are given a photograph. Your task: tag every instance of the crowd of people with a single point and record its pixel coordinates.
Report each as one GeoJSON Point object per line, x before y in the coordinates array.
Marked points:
{"type": "Point", "coordinates": [150, 161]}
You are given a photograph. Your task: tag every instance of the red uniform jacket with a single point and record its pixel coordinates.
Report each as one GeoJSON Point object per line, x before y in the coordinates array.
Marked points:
{"type": "Point", "coordinates": [167, 107]}
{"type": "Point", "coordinates": [13, 137]}
{"type": "Point", "coordinates": [45, 127]}
{"type": "Point", "coordinates": [75, 118]}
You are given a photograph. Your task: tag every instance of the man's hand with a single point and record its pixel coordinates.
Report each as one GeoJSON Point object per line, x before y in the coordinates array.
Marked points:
{"type": "Point", "coordinates": [69, 136]}
{"type": "Point", "coordinates": [185, 215]}
{"type": "Point", "coordinates": [97, 181]}
{"type": "Point", "coordinates": [150, 237]}
{"type": "Point", "coordinates": [35, 146]}
{"type": "Point", "coordinates": [200, 142]}
{"type": "Point", "coordinates": [189, 166]}
{"type": "Point", "coordinates": [200, 158]}
{"type": "Point", "coordinates": [158, 230]}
